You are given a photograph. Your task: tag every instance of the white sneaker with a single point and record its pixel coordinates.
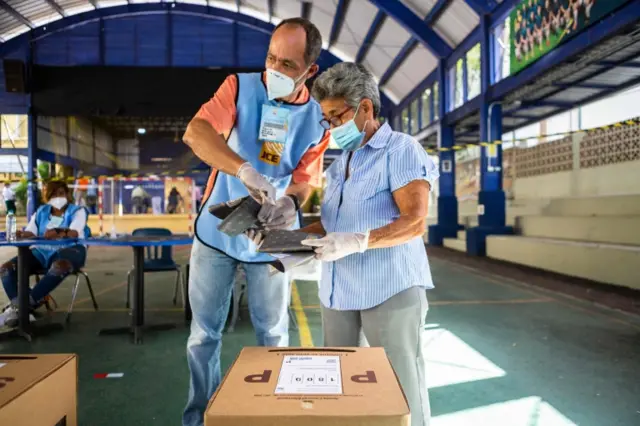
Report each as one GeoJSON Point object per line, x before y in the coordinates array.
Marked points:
{"type": "Point", "coordinates": [9, 316]}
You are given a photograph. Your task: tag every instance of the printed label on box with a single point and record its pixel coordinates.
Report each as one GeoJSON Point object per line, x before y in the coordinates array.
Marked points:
{"type": "Point", "coordinates": [317, 375]}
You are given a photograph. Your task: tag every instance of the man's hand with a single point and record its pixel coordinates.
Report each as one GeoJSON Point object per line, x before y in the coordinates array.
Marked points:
{"type": "Point", "coordinates": [337, 245]}
{"type": "Point", "coordinates": [281, 215]}
{"type": "Point", "coordinates": [51, 234]}
{"type": "Point", "coordinates": [258, 186]}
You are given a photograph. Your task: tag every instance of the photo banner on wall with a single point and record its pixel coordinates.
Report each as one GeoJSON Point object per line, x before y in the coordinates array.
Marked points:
{"type": "Point", "coordinates": [538, 26]}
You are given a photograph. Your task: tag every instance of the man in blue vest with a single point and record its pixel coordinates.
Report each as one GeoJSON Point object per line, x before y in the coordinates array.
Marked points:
{"type": "Point", "coordinates": [261, 135]}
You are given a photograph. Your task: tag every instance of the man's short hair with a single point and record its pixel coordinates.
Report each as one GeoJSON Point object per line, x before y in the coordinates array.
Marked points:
{"type": "Point", "coordinates": [313, 45]}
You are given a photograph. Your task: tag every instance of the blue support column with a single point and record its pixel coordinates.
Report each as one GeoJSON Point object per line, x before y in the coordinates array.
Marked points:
{"type": "Point", "coordinates": [32, 174]}
{"type": "Point", "coordinates": [491, 198]}
{"type": "Point", "coordinates": [447, 226]}
{"type": "Point", "coordinates": [32, 137]}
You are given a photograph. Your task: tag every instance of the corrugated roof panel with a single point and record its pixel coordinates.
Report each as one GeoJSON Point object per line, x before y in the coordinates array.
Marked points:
{"type": "Point", "coordinates": [285, 9]}
{"type": "Point", "coordinates": [616, 76]}
{"type": "Point", "coordinates": [322, 17]}
{"type": "Point", "coordinates": [38, 12]}
{"type": "Point", "coordinates": [420, 7]}
{"type": "Point", "coordinates": [574, 95]}
{"type": "Point", "coordinates": [255, 6]}
{"type": "Point", "coordinates": [391, 37]}
{"type": "Point", "coordinates": [358, 19]}
{"type": "Point", "coordinates": [199, 2]}
{"type": "Point", "coordinates": [378, 60]}
{"type": "Point", "coordinates": [418, 65]}
{"type": "Point", "coordinates": [109, 3]}
{"type": "Point", "coordinates": [456, 22]}
{"type": "Point", "coordinates": [73, 7]}
{"type": "Point", "coordinates": [7, 24]}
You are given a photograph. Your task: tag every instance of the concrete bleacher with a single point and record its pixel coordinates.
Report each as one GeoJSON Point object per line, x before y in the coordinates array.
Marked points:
{"type": "Point", "coordinates": [596, 238]}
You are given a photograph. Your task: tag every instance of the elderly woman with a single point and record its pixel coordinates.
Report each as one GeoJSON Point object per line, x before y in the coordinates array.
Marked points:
{"type": "Point", "coordinates": [375, 268]}
{"type": "Point", "coordinates": [56, 219]}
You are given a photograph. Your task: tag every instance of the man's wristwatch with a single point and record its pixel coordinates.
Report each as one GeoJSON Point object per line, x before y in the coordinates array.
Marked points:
{"type": "Point", "coordinates": [296, 202]}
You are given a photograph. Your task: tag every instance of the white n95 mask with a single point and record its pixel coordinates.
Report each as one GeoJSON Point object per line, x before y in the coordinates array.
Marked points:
{"type": "Point", "coordinates": [281, 85]}
{"type": "Point", "coordinates": [58, 202]}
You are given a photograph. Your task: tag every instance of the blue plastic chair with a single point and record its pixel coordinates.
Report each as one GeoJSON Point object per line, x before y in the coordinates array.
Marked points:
{"type": "Point", "coordinates": [158, 259]}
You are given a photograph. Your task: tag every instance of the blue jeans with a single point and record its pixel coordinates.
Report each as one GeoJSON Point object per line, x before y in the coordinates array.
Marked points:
{"type": "Point", "coordinates": [211, 281]}
{"type": "Point", "coordinates": [64, 262]}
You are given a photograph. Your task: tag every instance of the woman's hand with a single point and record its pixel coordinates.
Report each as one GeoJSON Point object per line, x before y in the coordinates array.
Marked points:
{"type": "Point", "coordinates": [24, 234]}
{"type": "Point", "coordinates": [51, 234]}
{"type": "Point", "coordinates": [337, 245]}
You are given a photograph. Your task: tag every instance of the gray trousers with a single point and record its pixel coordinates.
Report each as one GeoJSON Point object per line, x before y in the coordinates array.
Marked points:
{"type": "Point", "coordinates": [396, 325]}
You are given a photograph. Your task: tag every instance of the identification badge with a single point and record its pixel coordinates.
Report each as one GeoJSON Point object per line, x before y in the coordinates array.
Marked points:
{"type": "Point", "coordinates": [273, 124]}
{"type": "Point", "coordinates": [271, 152]}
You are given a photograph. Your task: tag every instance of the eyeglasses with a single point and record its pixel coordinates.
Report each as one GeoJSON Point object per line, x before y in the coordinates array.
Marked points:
{"type": "Point", "coordinates": [334, 121]}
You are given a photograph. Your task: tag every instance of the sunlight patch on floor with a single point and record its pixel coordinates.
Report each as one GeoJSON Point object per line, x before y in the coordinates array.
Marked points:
{"type": "Point", "coordinates": [451, 361]}
{"type": "Point", "coordinates": [531, 411]}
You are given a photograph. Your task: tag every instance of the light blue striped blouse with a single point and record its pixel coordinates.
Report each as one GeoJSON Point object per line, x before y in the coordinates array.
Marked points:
{"type": "Point", "coordinates": [364, 202]}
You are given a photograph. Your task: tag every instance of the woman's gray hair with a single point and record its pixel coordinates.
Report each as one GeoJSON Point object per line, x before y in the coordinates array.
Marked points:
{"type": "Point", "coordinates": [350, 81]}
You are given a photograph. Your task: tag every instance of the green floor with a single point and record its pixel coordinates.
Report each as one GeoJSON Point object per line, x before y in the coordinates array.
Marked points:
{"type": "Point", "coordinates": [499, 352]}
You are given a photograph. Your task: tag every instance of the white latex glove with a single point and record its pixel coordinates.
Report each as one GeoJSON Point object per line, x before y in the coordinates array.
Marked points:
{"type": "Point", "coordinates": [256, 236]}
{"type": "Point", "coordinates": [281, 215]}
{"type": "Point", "coordinates": [337, 245]}
{"type": "Point", "coordinates": [258, 186]}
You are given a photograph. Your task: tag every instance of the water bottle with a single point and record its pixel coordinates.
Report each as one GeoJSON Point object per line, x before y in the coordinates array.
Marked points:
{"type": "Point", "coordinates": [11, 226]}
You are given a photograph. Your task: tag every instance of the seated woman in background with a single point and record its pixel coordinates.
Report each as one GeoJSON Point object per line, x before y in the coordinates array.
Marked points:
{"type": "Point", "coordinates": [56, 219]}
{"type": "Point", "coordinates": [174, 201]}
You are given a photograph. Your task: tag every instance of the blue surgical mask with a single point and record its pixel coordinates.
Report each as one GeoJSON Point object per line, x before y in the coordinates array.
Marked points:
{"type": "Point", "coordinates": [347, 136]}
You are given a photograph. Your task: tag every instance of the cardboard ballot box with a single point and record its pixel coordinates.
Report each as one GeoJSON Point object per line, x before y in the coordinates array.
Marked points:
{"type": "Point", "coordinates": [309, 387]}
{"type": "Point", "coordinates": [38, 390]}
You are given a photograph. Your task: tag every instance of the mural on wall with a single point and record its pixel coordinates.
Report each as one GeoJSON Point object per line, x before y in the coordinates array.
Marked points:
{"type": "Point", "coordinates": [538, 26]}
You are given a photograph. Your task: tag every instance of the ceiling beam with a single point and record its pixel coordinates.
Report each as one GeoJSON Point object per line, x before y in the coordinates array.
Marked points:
{"type": "Point", "coordinates": [338, 20]}
{"type": "Point", "coordinates": [14, 13]}
{"type": "Point", "coordinates": [305, 9]}
{"type": "Point", "coordinates": [374, 29]}
{"type": "Point", "coordinates": [432, 16]}
{"type": "Point", "coordinates": [55, 6]}
{"type": "Point", "coordinates": [414, 26]}
{"type": "Point", "coordinates": [481, 7]}
{"type": "Point", "coordinates": [270, 9]}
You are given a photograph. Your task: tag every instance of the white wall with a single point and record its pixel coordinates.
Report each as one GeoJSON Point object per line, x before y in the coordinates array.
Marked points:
{"type": "Point", "coordinates": [615, 179]}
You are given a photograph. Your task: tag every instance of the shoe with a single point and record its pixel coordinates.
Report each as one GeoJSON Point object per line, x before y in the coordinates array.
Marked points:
{"type": "Point", "coordinates": [9, 316]}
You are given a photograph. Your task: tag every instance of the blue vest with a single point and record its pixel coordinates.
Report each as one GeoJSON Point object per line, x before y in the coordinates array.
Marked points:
{"type": "Point", "coordinates": [44, 253]}
{"type": "Point", "coordinates": [303, 132]}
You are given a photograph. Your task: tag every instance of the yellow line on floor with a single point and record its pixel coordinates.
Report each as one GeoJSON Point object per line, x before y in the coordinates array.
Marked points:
{"type": "Point", "coordinates": [306, 341]}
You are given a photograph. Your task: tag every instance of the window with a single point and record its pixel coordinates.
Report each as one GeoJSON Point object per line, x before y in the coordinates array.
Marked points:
{"type": "Point", "coordinates": [450, 94]}
{"type": "Point", "coordinates": [473, 72]}
{"type": "Point", "coordinates": [405, 121]}
{"type": "Point", "coordinates": [14, 130]}
{"type": "Point", "coordinates": [436, 101]}
{"type": "Point", "coordinates": [426, 108]}
{"type": "Point", "coordinates": [459, 84]}
{"type": "Point", "coordinates": [502, 48]}
{"type": "Point", "coordinates": [415, 123]}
